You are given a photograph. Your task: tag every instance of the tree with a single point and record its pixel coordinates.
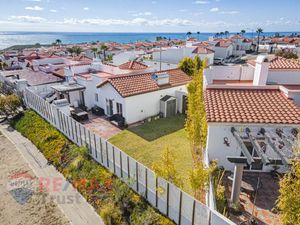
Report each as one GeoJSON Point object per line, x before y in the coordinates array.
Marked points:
{"type": "Point", "coordinates": [259, 31]}
{"type": "Point", "coordinates": [9, 105]}
{"type": "Point", "coordinates": [226, 33]}
{"type": "Point", "coordinates": [197, 63]}
{"type": "Point", "coordinates": [196, 125]}
{"type": "Point", "coordinates": [187, 66]}
{"type": "Point", "coordinates": [165, 168]}
{"type": "Point", "coordinates": [104, 48]}
{"type": "Point", "coordinates": [199, 179]}
{"type": "Point", "coordinates": [94, 50]}
{"type": "Point", "coordinates": [188, 34]}
{"type": "Point", "coordinates": [75, 50]}
{"type": "Point", "coordinates": [198, 35]}
{"type": "Point", "coordinates": [289, 199]}
{"type": "Point", "coordinates": [222, 34]}
{"type": "Point", "coordinates": [243, 32]}
{"type": "Point", "coordinates": [58, 41]}
{"type": "Point", "coordinates": [287, 53]}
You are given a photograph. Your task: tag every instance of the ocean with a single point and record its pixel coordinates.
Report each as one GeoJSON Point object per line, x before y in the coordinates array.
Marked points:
{"type": "Point", "coordinates": [8, 39]}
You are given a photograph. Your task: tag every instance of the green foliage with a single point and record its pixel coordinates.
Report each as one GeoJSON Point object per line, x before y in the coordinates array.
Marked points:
{"type": "Point", "coordinates": [288, 54]}
{"type": "Point", "coordinates": [219, 189]}
{"type": "Point", "coordinates": [187, 65]}
{"type": "Point", "coordinates": [196, 125]}
{"type": "Point", "coordinates": [111, 215]}
{"type": "Point", "coordinates": [112, 198]}
{"type": "Point", "coordinates": [199, 179]}
{"type": "Point", "coordinates": [289, 199]}
{"type": "Point", "coordinates": [165, 168]}
{"type": "Point", "coordinates": [75, 50]}
{"type": "Point", "coordinates": [9, 105]}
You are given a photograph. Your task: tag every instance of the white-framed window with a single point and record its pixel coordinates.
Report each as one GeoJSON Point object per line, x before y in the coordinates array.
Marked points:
{"type": "Point", "coordinates": [96, 97]}
{"type": "Point", "coordinates": [119, 109]}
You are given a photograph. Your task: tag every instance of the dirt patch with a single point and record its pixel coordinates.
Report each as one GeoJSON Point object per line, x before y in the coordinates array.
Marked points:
{"type": "Point", "coordinates": [21, 202]}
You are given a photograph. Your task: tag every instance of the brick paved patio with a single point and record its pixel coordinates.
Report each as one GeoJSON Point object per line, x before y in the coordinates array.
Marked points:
{"type": "Point", "coordinates": [265, 201]}
{"type": "Point", "coordinates": [101, 126]}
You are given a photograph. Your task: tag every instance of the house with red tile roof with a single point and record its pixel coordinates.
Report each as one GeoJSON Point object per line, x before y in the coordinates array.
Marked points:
{"type": "Point", "coordinates": [263, 71]}
{"type": "Point", "coordinates": [175, 54]}
{"type": "Point", "coordinates": [242, 118]}
{"type": "Point", "coordinates": [137, 97]}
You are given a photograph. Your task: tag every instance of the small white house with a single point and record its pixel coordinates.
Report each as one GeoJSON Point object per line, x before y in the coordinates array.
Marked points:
{"type": "Point", "coordinates": [139, 96]}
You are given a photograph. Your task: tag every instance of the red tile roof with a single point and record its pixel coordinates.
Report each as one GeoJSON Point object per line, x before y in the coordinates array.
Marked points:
{"type": "Point", "coordinates": [283, 63]}
{"type": "Point", "coordinates": [129, 85]}
{"type": "Point", "coordinates": [223, 44]}
{"type": "Point", "coordinates": [250, 106]}
{"type": "Point", "coordinates": [203, 50]}
{"type": "Point", "coordinates": [280, 63]}
{"type": "Point", "coordinates": [133, 65]}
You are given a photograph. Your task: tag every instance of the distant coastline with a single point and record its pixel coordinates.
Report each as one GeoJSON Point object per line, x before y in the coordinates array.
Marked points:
{"type": "Point", "coordinates": [8, 39]}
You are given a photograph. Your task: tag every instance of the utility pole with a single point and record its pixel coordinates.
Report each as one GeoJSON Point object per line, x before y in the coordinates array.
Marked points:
{"type": "Point", "coordinates": [160, 52]}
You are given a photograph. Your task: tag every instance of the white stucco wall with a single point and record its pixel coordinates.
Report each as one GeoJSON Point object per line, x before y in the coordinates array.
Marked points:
{"type": "Point", "coordinates": [221, 52]}
{"type": "Point", "coordinates": [175, 55]}
{"type": "Point", "coordinates": [235, 72]}
{"type": "Point", "coordinates": [284, 76]}
{"type": "Point", "coordinates": [219, 151]}
{"type": "Point", "coordinates": [140, 107]}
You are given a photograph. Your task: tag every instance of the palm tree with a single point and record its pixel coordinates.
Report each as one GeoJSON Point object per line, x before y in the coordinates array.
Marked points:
{"type": "Point", "coordinates": [226, 33]}
{"type": "Point", "coordinates": [104, 48]}
{"type": "Point", "coordinates": [70, 50]}
{"type": "Point", "coordinates": [58, 41]}
{"type": "Point", "coordinates": [259, 31]}
{"type": "Point", "coordinates": [243, 32]}
{"type": "Point", "coordinates": [188, 34]}
{"type": "Point", "coordinates": [222, 33]}
{"type": "Point", "coordinates": [94, 50]}
{"type": "Point", "coordinates": [198, 34]}
{"type": "Point", "coordinates": [78, 50]}
{"type": "Point", "coordinates": [217, 35]}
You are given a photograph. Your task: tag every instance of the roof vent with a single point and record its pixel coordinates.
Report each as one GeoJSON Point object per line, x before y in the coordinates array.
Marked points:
{"type": "Point", "coordinates": [161, 78]}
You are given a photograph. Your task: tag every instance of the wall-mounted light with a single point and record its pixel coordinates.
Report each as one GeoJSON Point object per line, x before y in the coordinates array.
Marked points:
{"type": "Point", "coordinates": [226, 141]}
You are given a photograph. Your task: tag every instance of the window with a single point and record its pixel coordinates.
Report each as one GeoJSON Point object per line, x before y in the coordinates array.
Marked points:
{"type": "Point", "coordinates": [119, 109]}
{"type": "Point", "coordinates": [96, 97]}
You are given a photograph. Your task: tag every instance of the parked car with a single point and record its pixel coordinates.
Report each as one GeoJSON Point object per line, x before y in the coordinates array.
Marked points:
{"type": "Point", "coordinates": [219, 61]}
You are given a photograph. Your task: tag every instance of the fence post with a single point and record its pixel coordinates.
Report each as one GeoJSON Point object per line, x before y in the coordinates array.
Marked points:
{"type": "Point", "coordinates": [121, 164]}
{"type": "Point", "coordinates": [101, 150]}
{"type": "Point", "coordinates": [114, 160]}
{"type": "Point", "coordinates": [95, 143]}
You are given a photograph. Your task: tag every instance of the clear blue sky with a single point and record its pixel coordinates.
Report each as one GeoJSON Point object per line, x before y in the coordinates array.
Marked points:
{"type": "Point", "coordinates": [149, 15]}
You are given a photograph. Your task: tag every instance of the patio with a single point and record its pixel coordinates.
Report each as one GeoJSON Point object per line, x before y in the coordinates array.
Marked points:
{"type": "Point", "coordinates": [267, 194]}
{"type": "Point", "coordinates": [101, 126]}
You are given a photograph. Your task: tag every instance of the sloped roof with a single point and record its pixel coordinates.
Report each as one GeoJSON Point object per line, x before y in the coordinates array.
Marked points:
{"type": "Point", "coordinates": [203, 50]}
{"type": "Point", "coordinates": [283, 63]}
{"type": "Point", "coordinates": [133, 65]}
{"type": "Point", "coordinates": [250, 106]}
{"type": "Point", "coordinates": [129, 85]}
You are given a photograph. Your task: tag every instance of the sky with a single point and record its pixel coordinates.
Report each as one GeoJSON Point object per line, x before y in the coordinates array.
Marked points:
{"type": "Point", "coordinates": [149, 15]}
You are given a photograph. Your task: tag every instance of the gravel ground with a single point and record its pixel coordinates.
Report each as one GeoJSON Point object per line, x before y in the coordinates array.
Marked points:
{"type": "Point", "coordinates": [20, 201]}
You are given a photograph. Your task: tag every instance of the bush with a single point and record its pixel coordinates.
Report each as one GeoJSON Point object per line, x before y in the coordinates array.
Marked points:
{"type": "Point", "coordinates": [112, 198]}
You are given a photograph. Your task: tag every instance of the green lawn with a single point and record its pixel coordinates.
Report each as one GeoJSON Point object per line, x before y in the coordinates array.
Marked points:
{"type": "Point", "coordinates": [146, 143]}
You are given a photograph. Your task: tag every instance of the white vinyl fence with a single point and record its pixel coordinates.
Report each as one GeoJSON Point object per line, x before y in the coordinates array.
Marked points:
{"type": "Point", "coordinates": [164, 196]}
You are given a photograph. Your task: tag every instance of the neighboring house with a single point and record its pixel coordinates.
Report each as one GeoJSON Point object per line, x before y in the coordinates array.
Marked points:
{"type": "Point", "coordinates": [174, 55]}
{"type": "Point", "coordinates": [126, 56]}
{"type": "Point", "coordinates": [263, 71]}
{"type": "Point", "coordinates": [140, 96]}
{"type": "Point", "coordinates": [234, 111]}
{"type": "Point", "coordinates": [223, 48]}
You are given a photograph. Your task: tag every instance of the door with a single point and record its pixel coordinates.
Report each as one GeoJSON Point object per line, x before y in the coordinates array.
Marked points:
{"type": "Point", "coordinates": [109, 107]}
{"type": "Point", "coordinates": [171, 107]}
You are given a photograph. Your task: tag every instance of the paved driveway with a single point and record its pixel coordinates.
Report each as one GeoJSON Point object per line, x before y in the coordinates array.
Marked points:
{"type": "Point", "coordinates": [101, 126]}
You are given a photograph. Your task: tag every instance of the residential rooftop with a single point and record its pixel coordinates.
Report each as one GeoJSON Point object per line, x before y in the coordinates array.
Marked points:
{"type": "Point", "coordinates": [129, 85]}
{"type": "Point", "coordinates": [250, 105]}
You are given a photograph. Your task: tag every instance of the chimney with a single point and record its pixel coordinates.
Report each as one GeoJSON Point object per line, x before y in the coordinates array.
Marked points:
{"type": "Point", "coordinates": [63, 105]}
{"type": "Point", "coordinates": [161, 78]}
{"type": "Point", "coordinates": [261, 70]}
{"type": "Point", "coordinates": [69, 74]}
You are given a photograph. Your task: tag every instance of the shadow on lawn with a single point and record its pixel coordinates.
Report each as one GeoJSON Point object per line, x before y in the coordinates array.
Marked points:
{"type": "Point", "coordinates": [151, 131]}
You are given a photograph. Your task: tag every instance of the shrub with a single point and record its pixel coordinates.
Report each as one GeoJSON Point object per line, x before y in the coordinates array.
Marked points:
{"type": "Point", "coordinates": [111, 197]}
